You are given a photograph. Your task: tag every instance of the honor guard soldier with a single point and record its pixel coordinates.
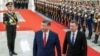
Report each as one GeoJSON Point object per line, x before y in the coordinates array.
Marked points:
{"type": "Point", "coordinates": [10, 20]}
{"type": "Point", "coordinates": [37, 6]}
{"type": "Point", "coordinates": [35, 3]}
{"type": "Point", "coordinates": [95, 21]}
{"type": "Point", "coordinates": [18, 4]}
{"type": "Point", "coordinates": [72, 8]}
{"type": "Point", "coordinates": [62, 13]}
{"type": "Point", "coordinates": [97, 30]}
{"type": "Point", "coordinates": [52, 11]}
{"type": "Point", "coordinates": [66, 14]}
{"type": "Point", "coordinates": [74, 12]}
{"type": "Point", "coordinates": [89, 22]}
{"type": "Point", "coordinates": [49, 7]}
{"type": "Point", "coordinates": [14, 3]}
{"type": "Point", "coordinates": [83, 21]}
{"type": "Point", "coordinates": [79, 20]}
{"type": "Point", "coordinates": [26, 4]}
{"type": "Point", "coordinates": [23, 4]}
{"type": "Point", "coordinates": [71, 14]}
{"type": "Point", "coordinates": [55, 8]}
{"type": "Point", "coordinates": [59, 12]}
{"type": "Point", "coordinates": [76, 16]}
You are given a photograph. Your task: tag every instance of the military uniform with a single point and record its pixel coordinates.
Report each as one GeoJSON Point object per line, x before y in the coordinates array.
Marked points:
{"type": "Point", "coordinates": [54, 12]}
{"type": "Point", "coordinates": [70, 13]}
{"type": "Point", "coordinates": [79, 20]}
{"type": "Point", "coordinates": [89, 23]}
{"type": "Point", "coordinates": [83, 21]}
{"type": "Point", "coordinates": [66, 14]}
{"type": "Point", "coordinates": [26, 4]}
{"type": "Point", "coordinates": [63, 13]}
{"type": "Point", "coordinates": [22, 4]}
{"type": "Point", "coordinates": [18, 4]}
{"type": "Point", "coordinates": [97, 26]}
{"type": "Point", "coordinates": [59, 13]}
{"type": "Point", "coordinates": [15, 3]}
{"type": "Point", "coordinates": [10, 20]}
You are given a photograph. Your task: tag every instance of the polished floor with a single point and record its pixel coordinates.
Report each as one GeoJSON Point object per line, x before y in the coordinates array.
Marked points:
{"type": "Point", "coordinates": [23, 44]}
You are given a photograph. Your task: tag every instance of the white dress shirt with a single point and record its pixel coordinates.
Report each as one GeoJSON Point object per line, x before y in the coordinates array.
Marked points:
{"type": "Point", "coordinates": [75, 35]}
{"type": "Point", "coordinates": [47, 35]}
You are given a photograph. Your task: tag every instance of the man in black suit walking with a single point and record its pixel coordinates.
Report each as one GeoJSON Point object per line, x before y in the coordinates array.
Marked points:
{"type": "Point", "coordinates": [75, 43]}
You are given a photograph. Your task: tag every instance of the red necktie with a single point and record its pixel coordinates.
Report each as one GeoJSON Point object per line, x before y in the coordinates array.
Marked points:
{"type": "Point", "coordinates": [44, 40]}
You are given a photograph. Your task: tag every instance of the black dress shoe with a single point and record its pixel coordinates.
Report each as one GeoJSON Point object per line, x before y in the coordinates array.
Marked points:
{"type": "Point", "coordinates": [10, 54]}
{"type": "Point", "coordinates": [14, 53]}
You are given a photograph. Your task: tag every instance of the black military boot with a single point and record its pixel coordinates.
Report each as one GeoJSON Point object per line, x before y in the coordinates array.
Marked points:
{"type": "Point", "coordinates": [14, 53]}
{"type": "Point", "coordinates": [10, 53]}
{"type": "Point", "coordinates": [89, 35]}
{"type": "Point", "coordinates": [96, 39]}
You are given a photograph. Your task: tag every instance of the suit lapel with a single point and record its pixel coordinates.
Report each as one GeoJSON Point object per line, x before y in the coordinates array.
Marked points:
{"type": "Point", "coordinates": [41, 38]}
{"type": "Point", "coordinates": [76, 37]}
{"type": "Point", "coordinates": [69, 37]}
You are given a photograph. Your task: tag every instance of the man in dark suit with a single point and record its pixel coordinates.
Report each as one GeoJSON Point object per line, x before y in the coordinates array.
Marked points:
{"type": "Point", "coordinates": [45, 41]}
{"type": "Point", "coordinates": [10, 20]}
{"type": "Point", "coordinates": [75, 43]}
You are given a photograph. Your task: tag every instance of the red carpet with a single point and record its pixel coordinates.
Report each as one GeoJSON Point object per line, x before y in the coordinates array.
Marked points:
{"type": "Point", "coordinates": [33, 21]}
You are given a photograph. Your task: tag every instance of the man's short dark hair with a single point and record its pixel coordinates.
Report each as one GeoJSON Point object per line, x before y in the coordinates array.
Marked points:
{"type": "Point", "coordinates": [47, 22]}
{"type": "Point", "coordinates": [73, 21]}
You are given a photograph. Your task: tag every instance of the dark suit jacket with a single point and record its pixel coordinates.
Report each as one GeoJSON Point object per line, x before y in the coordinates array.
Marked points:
{"type": "Point", "coordinates": [80, 46]}
{"type": "Point", "coordinates": [49, 50]}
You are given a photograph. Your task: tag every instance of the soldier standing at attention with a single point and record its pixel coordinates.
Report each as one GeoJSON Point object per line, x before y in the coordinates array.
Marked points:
{"type": "Point", "coordinates": [83, 20]}
{"type": "Point", "coordinates": [14, 1]}
{"type": "Point", "coordinates": [10, 20]}
{"type": "Point", "coordinates": [18, 4]}
{"type": "Point", "coordinates": [97, 30]}
{"type": "Point", "coordinates": [90, 22]}
{"type": "Point", "coordinates": [26, 4]}
{"type": "Point", "coordinates": [23, 4]}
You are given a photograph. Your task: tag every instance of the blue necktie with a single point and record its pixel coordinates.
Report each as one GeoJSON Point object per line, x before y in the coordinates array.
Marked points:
{"type": "Point", "coordinates": [73, 39]}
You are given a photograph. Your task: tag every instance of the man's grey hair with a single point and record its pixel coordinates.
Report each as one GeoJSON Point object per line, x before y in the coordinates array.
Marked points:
{"type": "Point", "coordinates": [47, 22]}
